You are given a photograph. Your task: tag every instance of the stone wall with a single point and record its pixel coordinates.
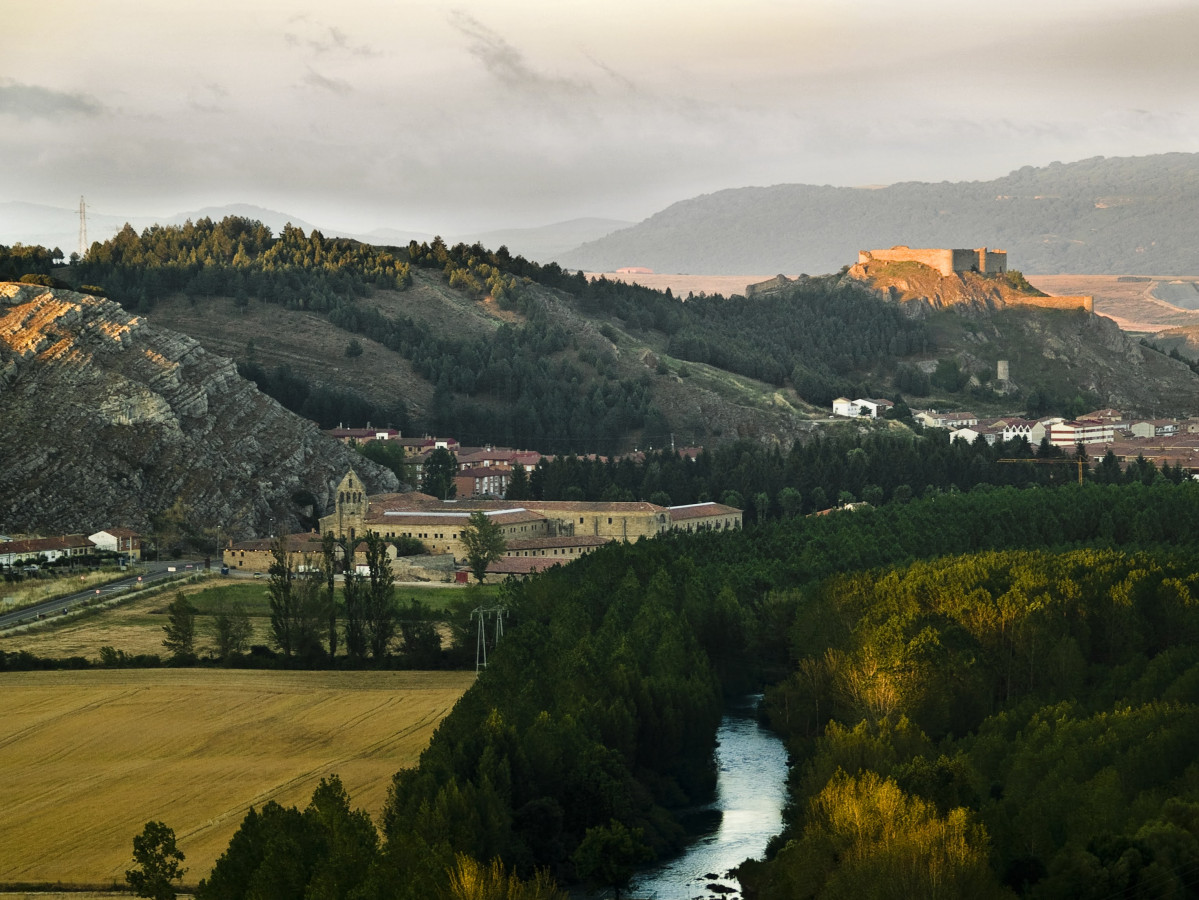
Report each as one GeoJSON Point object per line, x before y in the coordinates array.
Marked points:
{"type": "Point", "coordinates": [944, 261]}
{"type": "Point", "coordinates": [1080, 301]}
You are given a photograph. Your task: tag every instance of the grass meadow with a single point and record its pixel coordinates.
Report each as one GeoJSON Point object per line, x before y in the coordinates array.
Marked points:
{"type": "Point", "coordinates": [135, 625]}
{"type": "Point", "coordinates": [90, 756]}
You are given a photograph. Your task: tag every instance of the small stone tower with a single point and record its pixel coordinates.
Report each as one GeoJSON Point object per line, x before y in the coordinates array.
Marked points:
{"type": "Point", "coordinates": [350, 514]}
{"type": "Point", "coordinates": [1002, 371]}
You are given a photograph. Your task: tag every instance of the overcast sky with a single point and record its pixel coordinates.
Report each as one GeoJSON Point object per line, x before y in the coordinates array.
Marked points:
{"type": "Point", "coordinates": [464, 116]}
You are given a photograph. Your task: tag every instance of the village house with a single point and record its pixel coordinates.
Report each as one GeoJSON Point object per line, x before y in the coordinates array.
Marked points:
{"type": "Point", "coordinates": [1151, 428]}
{"type": "Point", "coordinates": [970, 434]}
{"type": "Point", "coordinates": [476, 457]}
{"type": "Point", "coordinates": [1089, 431]}
{"type": "Point", "coordinates": [483, 481]}
{"type": "Point", "coordinates": [931, 418]}
{"type": "Point", "coordinates": [862, 407]}
{"type": "Point", "coordinates": [256, 556]}
{"type": "Point", "coordinates": [363, 435]}
{"type": "Point", "coordinates": [31, 551]}
{"type": "Point", "coordinates": [118, 540]}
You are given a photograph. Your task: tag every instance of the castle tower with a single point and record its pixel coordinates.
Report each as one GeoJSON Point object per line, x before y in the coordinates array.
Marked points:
{"type": "Point", "coordinates": [1002, 373]}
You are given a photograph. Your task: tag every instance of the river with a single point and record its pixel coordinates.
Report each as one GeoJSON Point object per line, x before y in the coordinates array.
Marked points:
{"type": "Point", "coordinates": [745, 814]}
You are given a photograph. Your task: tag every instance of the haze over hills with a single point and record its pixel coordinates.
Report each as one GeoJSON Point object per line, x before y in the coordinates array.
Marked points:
{"type": "Point", "coordinates": [1128, 215]}
{"type": "Point", "coordinates": [1131, 215]}
{"type": "Point", "coordinates": [52, 226]}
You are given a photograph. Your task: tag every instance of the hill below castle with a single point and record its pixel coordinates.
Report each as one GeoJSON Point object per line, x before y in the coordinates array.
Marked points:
{"type": "Point", "coordinates": [1118, 216]}
{"type": "Point", "coordinates": [482, 346]}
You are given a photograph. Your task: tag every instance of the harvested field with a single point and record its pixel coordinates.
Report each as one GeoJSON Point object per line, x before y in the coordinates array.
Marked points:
{"type": "Point", "coordinates": [89, 757]}
{"type": "Point", "coordinates": [1135, 305]}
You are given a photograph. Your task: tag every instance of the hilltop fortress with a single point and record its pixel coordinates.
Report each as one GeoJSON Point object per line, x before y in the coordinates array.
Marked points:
{"type": "Point", "coordinates": [981, 260]}
{"type": "Point", "coordinates": [940, 277]}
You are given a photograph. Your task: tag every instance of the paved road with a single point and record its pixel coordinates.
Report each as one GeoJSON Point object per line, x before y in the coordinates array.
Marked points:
{"type": "Point", "coordinates": [151, 573]}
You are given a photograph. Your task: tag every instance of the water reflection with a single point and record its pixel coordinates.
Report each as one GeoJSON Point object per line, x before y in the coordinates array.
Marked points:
{"type": "Point", "coordinates": [746, 814]}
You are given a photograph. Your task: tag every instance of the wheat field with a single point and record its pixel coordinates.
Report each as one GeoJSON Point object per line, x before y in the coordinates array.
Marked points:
{"type": "Point", "coordinates": [87, 758]}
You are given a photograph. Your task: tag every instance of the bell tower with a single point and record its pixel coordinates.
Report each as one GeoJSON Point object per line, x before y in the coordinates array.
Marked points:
{"type": "Point", "coordinates": [351, 505]}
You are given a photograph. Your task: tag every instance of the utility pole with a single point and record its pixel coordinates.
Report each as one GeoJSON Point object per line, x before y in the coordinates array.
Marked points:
{"type": "Point", "coordinates": [82, 227]}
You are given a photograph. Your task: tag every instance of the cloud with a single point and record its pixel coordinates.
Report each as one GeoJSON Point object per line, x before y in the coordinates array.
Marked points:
{"type": "Point", "coordinates": [209, 97]}
{"type": "Point", "coordinates": [325, 83]}
{"type": "Point", "coordinates": [506, 63]}
{"type": "Point", "coordinates": [31, 101]}
{"type": "Point", "coordinates": [329, 39]}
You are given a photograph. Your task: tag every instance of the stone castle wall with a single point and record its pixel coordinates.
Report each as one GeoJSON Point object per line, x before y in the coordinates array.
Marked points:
{"type": "Point", "coordinates": [944, 261]}
{"type": "Point", "coordinates": [1079, 301]}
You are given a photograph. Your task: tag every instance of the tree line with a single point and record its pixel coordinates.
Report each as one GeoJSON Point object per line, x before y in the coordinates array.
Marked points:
{"type": "Point", "coordinates": [836, 467]}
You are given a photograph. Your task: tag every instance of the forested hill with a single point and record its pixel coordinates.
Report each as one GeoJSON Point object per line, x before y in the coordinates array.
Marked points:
{"type": "Point", "coordinates": [1128, 215]}
{"type": "Point", "coordinates": [493, 348]}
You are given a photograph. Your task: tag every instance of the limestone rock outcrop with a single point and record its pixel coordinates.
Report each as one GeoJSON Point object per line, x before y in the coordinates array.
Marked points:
{"type": "Point", "coordinates": [107, 420]}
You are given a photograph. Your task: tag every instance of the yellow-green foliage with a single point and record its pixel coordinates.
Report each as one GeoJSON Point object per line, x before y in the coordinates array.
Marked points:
{"type": "Point", "coordinates": [471, 880]}
{"type": "Point", "coordinates": [866, 838]}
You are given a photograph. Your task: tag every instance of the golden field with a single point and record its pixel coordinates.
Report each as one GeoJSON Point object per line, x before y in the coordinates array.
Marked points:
{"type": "Point", "coordinates": [89, 757]}
{"type": "Point", "coordinates": [135, 626]}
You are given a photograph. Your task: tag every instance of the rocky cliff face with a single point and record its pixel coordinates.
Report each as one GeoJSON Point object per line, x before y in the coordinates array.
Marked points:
{"type": "Point", "coordinates": [106, 420]}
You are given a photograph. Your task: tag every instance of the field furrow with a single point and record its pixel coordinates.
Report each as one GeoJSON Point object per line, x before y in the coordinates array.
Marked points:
{"type": "Point", "coordinates": [89, 757]}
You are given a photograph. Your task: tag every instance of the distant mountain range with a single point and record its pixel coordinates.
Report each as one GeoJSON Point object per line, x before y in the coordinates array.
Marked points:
{"type": "Point", "coordinates": [50, 226]}
{"type": "Point", "coordinates": [1131, 215]}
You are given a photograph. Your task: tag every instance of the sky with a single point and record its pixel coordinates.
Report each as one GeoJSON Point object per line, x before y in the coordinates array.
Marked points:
{"type": "Point", "coordinates": [465, 116]}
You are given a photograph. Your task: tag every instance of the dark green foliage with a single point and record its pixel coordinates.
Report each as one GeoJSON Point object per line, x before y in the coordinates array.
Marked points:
{"type": "Point", "coordinates": [484, 542]}
{"type": "Point", "coordinates": [380, 613]}
{"type": "Point", "coordinates": [609, 854]}
{"type": "Point", "coordinates": [158, 863]}
{"type": "Point", "coordinates": [238, 256]}
{"type": "Point", "coordinates": [437, 474]}
{"type": "Point", "coordinates": [803, 334]}
{"type": "Point", "coordinates": [230, 630]}
{"type": "Point", "coordinates": [21, 260]}
{"type": "Point", "coordinates": [329, 407]}
{"type": "Point", "coordinates": [389, 454]}
{"type": "Point", "coordinates": [180, 629]}
{"type": "Point", "coordinates": [419, 636]}
{"type": "Point", "coordinates": [327, 851]}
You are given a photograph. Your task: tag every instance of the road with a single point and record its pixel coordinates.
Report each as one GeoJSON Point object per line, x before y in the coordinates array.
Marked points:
{"type": "Point", "coordinates": [148, 573]}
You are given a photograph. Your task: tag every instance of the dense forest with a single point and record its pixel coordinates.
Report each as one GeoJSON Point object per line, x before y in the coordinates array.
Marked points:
{"type": "Point", "coordinates": [838, 467]}
{"type": "Point", "coordinates": [582, 365]}
{"type": "Point", "coordinates": [986, 693]}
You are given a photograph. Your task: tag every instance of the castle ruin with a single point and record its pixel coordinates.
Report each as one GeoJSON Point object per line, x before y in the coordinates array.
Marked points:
{"type": "Point", "coordinates": [981, 260]}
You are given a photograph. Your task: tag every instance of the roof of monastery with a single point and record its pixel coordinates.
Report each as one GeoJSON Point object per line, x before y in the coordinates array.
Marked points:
{"type": "Point", "coordinates": [702, 510]}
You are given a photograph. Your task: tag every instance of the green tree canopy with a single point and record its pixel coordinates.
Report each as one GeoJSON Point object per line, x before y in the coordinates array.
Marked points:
{"type": "Point", "coordinates": [437, 474]}
{"type": "Point", "coordinates": [157, 863]}
{"type": "Point", "coordinates": [484, 543]}
{"type": "Point", "coordinates": [180, 628]}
